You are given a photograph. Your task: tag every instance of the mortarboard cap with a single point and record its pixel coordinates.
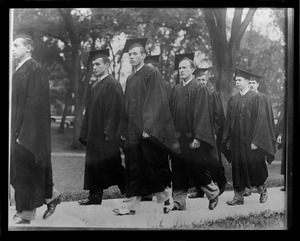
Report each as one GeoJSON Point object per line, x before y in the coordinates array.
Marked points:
{"type": "Point", "coordinates": [180, 57]}
{"type": "Point", "coordinates": [27, 33]}
{"type": "Point", "coordinates": [130, 42]}
{"type": "Point", "coordinates": [200, 71]}
{"type": "Point", "coordinates": [246, 74]}
{"type": "Point", "coordinates": [96, 53]}
{"type": "Point", "coordinates": [151, 59]}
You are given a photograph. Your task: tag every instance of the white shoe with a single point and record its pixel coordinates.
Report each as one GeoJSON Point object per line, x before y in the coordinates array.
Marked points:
{"type": "Point", "coordinates": [168, 205]}
{"type": "Point", "coordinates": [123, 211]}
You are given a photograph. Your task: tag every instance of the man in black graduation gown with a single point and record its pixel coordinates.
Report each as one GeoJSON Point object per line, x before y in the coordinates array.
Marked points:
{"type": "Point", "coordinates": [190, 110]}
{"type": "Point", "coordinates": [30, 156]}
{"type": "Point", "coordinates": [103, 164]}
{"type": "Point", "coordinates": [247, 137]}
{"type": "Point", "coordinates": [218, 117]}
{"type": "Point", "coordinates": [146, 128]}
{"type": "Point", "coordinates": [153, 61]}
{"type": "Point", "coordinates": [255, 85]}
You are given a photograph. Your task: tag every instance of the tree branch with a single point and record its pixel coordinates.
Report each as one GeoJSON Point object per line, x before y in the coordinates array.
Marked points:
{"type": "Point", "coordinates": [246, 22]}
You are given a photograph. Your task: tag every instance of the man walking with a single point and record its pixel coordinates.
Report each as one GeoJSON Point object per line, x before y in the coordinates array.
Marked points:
{"type": "Point", "coordinates": [103, 164]}
{"type": "Point", "coordinates": [190, 110]}
{"type": "Point", "coordinates": [218, 117]}
{"type": "Point", "coordinates": [246, 136]}
{"type": "Point", "coordinates": [31, 168]}
{"type": "Point", "coordinates": [146, 128]}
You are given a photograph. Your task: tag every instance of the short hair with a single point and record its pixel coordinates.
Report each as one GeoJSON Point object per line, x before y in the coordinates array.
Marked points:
{"type": "Point", "coordinates": [28, 42]}
{"type": "Point", "coordinates": [142, 49]}
{"type": "Point", "coordinates": [104, 58]}
{"type": "Point", "coordinates": [192, 63]}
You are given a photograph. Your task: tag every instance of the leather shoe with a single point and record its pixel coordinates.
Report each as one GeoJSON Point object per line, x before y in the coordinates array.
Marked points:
{"type": "Point", "coordinates": [235, 202]}
{"type": "Point", "coordinates": [168, 205]}
{"type": "Point", "coordinates": [213, 203]}
{"type": "Point", "coordinates": [176, 207]}
{"type": "Point", "coordinates": [51, 207]}
{"type": "Point", "coordinates": [90, 201]}
{"type": "Point", "coordinates": [196, 194]}
{"type": "Point", "coordinates": [263, 196]}
{"type": "Point", "coordinates": [282, 189]}
{"type": "Point", "coordinates": [19, 220]}
{"type": "Point", "coordinates": [123, 211]}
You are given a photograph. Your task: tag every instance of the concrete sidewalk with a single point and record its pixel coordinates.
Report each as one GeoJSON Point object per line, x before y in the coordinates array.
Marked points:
{"type": "Point", "coordinates": [72, 215]}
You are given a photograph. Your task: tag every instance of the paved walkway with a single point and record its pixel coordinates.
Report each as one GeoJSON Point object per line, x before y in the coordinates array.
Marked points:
{"type": "Point", "coordinates": [72, 215]}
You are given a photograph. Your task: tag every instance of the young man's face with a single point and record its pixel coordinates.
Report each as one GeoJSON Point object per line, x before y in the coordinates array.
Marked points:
{"type": "Point", "coordinates": [99, 68]}
{"type": "Point", "coordinates": [202, 79]}
{"type": "Point", "coordinates": [241, 83]}
{"type": "Point", "coordinates": [185, 70]}
{"type": "Point", "coordinates": [253, 85]}
{"type": "Point", "coordinates": [19, 50]}
{"type": "Point", "coordinates": [136, 57]}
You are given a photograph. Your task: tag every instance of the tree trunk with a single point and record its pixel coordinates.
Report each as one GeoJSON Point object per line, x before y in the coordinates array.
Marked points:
{"type": "Point", "coordinates": [225, 52]}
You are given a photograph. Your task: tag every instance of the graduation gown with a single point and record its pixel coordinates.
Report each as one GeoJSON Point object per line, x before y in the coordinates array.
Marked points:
{"type": "Point", "coordinates": [218, 119]}
{"type": "Point", "coordinates": [190, 110]}
{"type": "Point", "coordinates": [271, 124]}
{"type": "Point", "coordinates": [146, 109]}
{"type": "Point", "coordinates": [31, 170]}
{"type": "Point", "coordinates": [103, 167]}
{"type": "Point", "coordinates": [246, 122]}
{"type": "Point", "coordinates": [217, 115]}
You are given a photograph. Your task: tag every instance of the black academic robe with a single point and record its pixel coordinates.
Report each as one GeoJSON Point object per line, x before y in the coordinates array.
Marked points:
{"type": "Point", "coordinates": [280, 129]}
{"type": "Point", "coordinates": [31, 170]}
{"type": "Point", "coordinates": [146, 109]}
{"type": "Point", "coordinates": [218, 118]}
{"type": "Point", "coordinates": [271, 124]}
{"type": "Point", "coordinates": [190, 110]}
{"type": "Point", "coordinates": [246, 122]}
{"type": "Point", "coordinates": [103, 167]}
{"type": "Point", "coordinates": [218, 115]}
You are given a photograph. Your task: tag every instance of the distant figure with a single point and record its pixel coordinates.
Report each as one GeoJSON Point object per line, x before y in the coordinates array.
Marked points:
{"type": "Point", "coordinates": [103, 164]}
{"type": "Point", "coordinates": [190, 110]}
{"type": "Point", "coordinates": [280, 134]}
{"type": "Point", "coordinates": [146, 128]}
{"type": "Point", "coordinates": [247, 137]}
{"type": "Point", "coordinates": [31, 168]}
{"type": "Point", "coordinates": [218, 116]}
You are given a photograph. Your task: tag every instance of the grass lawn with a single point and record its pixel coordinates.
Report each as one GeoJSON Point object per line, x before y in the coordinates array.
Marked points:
{"type": "Point", "coordinates": [68, 171]}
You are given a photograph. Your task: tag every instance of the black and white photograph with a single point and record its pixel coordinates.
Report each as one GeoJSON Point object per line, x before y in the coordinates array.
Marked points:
{"type": "Point", "coordinates": [149, 118]}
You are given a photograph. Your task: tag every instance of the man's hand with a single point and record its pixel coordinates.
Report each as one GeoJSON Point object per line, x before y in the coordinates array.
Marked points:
{"type": "Point", "coordinates": [195, 144]}
{"type": "Point", "coordinates": [253, 147]}
{"type": "Point", "coordinates": [279, 138]}
{"type": "Point", "coordinates": [145, 135]}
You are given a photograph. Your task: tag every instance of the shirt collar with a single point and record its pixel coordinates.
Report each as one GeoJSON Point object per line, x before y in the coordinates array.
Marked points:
{"type": "Point", "coordinates": [100, 79]}
{"type": "Point", "coordinates": [244, 92]}
{"type": "Point", "coordinates": [139, 68]}
{"type": "Point", "coordinates": [21, 63]}
{"type": "Point", "coordinates": [103, 76]}
{"type": "Point", "coordinates": [185, 83]}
